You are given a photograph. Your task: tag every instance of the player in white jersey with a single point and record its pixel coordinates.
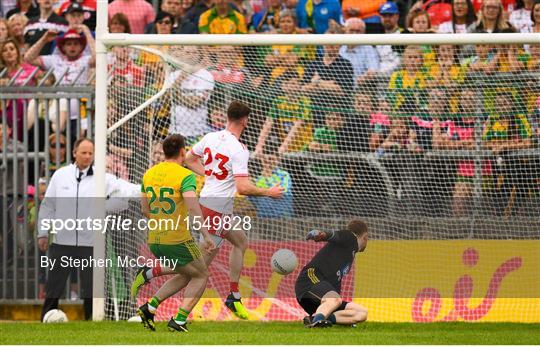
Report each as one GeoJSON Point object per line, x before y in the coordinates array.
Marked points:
{"type": "Point", "coordinates": [225, 169]}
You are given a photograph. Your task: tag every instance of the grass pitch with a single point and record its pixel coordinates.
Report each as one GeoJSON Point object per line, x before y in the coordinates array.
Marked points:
{"type": "Point", "coordinates": [237, 333]}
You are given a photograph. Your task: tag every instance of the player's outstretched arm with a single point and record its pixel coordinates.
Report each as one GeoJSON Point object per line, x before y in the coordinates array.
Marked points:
{"type": "Point", "coordinates": [318, 235]}
{"type": "Point", "coordinates": [194, 210]}
{"type": "Point", "coordinates": [193, 162]}
{"type": "Point", "coordinates": [245, 187]}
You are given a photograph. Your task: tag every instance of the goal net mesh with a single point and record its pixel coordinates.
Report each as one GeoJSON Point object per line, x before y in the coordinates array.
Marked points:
{"type": "Point", "coordinates": [439, 156]}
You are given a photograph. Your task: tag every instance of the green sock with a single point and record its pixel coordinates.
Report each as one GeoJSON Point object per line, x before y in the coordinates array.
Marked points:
{"type": "Point", "coordinates": [182, 315]}
{"type": "Point", "coordinates": [153, 304]}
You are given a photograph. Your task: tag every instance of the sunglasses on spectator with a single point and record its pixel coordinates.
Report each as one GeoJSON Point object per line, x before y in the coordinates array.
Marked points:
{"type": "Point", "coordinates": [164, 21]}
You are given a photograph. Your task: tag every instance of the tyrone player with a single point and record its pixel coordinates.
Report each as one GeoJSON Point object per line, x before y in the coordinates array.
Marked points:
{"type": "Point", "coordinates": [318, 286]}
{"type": "Point", "coordinates": [226, 173]}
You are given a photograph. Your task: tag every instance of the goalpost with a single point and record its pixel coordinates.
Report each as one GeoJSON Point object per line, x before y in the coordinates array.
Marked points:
{"type": "Point", "coordinates": [415, 186]}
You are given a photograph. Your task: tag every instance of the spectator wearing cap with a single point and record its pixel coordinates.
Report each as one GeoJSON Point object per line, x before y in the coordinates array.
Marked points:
{"type": "Point", "coordinates": [317, 14]}
{"type": "Point", "coordinates": [39, 25]}
{"type": "Point", "coordinates": [364, 58]}
{"type": "Point", "coordinates": [139, 12]}
{"type": "Point", "coordinates": [74, 15]}
{"type": "Point", "coordinates": [388, 56]}
{"type": "Point", "coordinates": [89, 8]}
{"type": "Point", "coordinates": [25, 7]}
{"type": "Point", "coordinates": [69, 67]}
{"type": "Point", "coordinates": [366, 10]}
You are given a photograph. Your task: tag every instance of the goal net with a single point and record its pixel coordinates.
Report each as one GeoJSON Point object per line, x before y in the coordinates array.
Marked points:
{"type": "Point", "coordinates": [436, 147]}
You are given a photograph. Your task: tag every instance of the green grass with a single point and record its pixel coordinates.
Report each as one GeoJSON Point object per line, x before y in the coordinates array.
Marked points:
{"type": "Point", "coordinates": [269, 333]}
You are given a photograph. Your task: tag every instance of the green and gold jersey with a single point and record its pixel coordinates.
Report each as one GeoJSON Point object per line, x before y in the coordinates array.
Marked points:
{"type": "Point", "coordinates": [285, 112]}
{"type": "Point", "coordinates": [163, 185]}
{"type": "Point", "coordinates": [211, 23]}
{"type": "Point", "coordinates": [499, 128]}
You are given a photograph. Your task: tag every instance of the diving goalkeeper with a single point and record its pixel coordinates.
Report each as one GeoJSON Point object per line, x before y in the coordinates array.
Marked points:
{"type": "Point", "coordinates": [318, 286]}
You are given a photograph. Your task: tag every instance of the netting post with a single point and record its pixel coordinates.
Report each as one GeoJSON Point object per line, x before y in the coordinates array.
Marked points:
{"type": "Point", "coordinates": [100, 152]}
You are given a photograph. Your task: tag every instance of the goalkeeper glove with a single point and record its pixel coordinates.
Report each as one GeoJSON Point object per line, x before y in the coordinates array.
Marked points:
{"type": "Point", "coordinates": [316, 235]}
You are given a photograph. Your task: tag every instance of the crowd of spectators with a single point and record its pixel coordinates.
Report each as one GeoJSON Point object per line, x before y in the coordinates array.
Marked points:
{"type": "Point", "coordinates": [323, 99]}
{"type": "Point", "coordinates": [386, 101]}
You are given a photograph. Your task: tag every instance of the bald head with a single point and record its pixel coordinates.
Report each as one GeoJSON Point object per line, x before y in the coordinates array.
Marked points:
{"type": "Point", "coordinates": [355, 26]}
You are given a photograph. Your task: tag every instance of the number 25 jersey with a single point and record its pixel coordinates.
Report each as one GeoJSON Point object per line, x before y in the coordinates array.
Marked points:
{"type": "Point", "coordinates": [163, 185]}
{"type": "Point", "coordinates": [224, 159]}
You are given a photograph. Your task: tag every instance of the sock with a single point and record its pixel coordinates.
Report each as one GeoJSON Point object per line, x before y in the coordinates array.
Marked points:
{"type": "Point", "coordinates": [154, 272]}
{"type": "Point", "coordinates": [234, 290]}
{"type": "Point", "coordinates": [318, 317]}
{"type": "Point", "coordinates": [153, 304]}
{"type": "Point", "coordinates": [332, 318]}
{"type": "Point", "coordinates": [181, 316]}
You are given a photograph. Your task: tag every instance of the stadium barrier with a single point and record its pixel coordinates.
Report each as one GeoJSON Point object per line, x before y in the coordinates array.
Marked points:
{"type": "Point", "coordinates": [32, 113]}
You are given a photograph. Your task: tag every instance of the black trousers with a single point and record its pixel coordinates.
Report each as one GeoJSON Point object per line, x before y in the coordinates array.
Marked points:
{"type": "Point", "coordinates": [57, 277]}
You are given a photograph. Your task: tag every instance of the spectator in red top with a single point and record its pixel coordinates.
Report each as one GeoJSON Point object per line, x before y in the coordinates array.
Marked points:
{"type": "Point", "coordinates": [124, 71]}
{"type": "Point", "coordinates": [25, 7]}
{"type": "Point", "coordinates": [89, 8]}
{"type": "Point", "coordinates": [69, 67]}
{"type": "Point", "coordinates": [459, 135]}
{"type": "Point", "coordinates": [119, 24]}
{"type": "Point", "coordinates": [439, 11]}
{"type": "Point", "coordinates": [139, 12]}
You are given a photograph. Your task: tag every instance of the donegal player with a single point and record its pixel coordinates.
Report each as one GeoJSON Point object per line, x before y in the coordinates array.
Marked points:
{"type": "Point", "coordinates": [168, 195]}
{"type": "Point", "coordinates": [318, 287]}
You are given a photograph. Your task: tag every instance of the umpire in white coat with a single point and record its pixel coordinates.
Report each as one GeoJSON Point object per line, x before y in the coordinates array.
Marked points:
{"type": "Point", "coordinates": [71, 195]}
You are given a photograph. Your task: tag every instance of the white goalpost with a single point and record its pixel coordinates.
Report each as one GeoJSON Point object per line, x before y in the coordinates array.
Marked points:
{"type": "Point", "coordinates": [411, 187]}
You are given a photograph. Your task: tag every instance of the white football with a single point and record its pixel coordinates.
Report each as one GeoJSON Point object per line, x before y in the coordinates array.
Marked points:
{"type": "Point", "coordinates": [284, 261]}
{"type": "Point", "coordinates": [135, 319]}
{"type": "Point", "coordinates": [55, 316]}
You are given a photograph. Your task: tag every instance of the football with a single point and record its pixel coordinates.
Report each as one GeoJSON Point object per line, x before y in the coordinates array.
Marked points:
{"type": "Point", "coordinates": [55, 316]}
{"type": "Point", "coordinates": [284, 261]}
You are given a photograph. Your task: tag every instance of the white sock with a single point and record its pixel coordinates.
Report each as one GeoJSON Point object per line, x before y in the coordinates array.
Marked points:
{"type": "Point", "coordinates": [236, 295]}
{"type": "Point", "coordinates": [148, 274]}
{"type": "Point", "coordinates": [152, 309]}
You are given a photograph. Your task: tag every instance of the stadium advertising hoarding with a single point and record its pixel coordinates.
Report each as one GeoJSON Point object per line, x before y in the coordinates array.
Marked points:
{"type": "Point", "coordinates": [400, 281]}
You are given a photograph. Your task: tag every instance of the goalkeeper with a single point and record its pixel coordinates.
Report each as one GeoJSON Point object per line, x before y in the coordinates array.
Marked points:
{"type": "Point", "coordinates": [318, 285]}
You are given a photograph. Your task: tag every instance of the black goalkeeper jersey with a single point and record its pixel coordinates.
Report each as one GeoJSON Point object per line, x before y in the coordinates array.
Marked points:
{"type": "Point", "coordinates": [332, 262]}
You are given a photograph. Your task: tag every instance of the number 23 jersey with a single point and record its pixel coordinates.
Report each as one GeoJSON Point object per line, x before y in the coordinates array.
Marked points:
{"type": "Point", "coordinates": [224, 159]}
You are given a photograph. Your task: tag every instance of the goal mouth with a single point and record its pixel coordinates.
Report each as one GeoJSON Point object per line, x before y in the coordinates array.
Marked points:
{"type": "Point", "coordinates": [416, 150]}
